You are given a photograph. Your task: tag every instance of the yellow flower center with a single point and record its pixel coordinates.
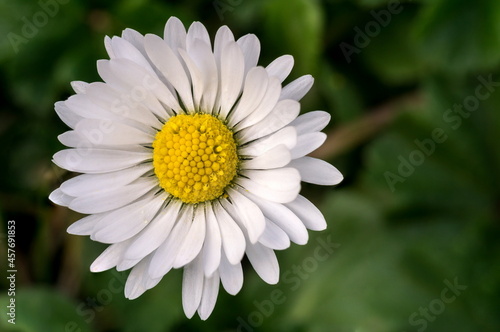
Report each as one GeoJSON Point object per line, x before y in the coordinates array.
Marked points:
{"type": "Point", "coordinates": [194, 157]}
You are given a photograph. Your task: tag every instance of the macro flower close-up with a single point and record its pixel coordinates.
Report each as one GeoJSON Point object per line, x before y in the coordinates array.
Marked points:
{"type": "Point", "coordinates": [243, 166]}
{"type": "Point", "coordinates": [192, 156]}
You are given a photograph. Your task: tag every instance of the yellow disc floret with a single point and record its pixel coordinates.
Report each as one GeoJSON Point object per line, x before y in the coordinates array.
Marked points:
{"type": "Point", "coordinates": [194, 157]}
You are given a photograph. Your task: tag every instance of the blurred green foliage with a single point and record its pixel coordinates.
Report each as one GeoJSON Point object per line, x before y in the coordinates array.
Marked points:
{"type": "Point", "coordinates": [406, 222]}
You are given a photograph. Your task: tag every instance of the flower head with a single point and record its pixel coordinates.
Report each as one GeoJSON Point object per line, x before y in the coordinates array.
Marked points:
{"type": "Point", "coordinates": [192, 156]}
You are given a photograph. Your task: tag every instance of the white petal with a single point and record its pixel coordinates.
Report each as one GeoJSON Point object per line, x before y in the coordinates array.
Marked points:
{"type": "Point", "coordinates": [192, 287]}
{"type": "Point", "coordinates": [79, 86]}
{"type": "Point", "coordinates": [123, 49]}
{"type": "Point", "coordinates": [253, 91]}
{"type": "Point", "coordinates": [126, 264]}
{"type": "Point", "coordinates": [197, 31]}
{"type": "Point", "coordinates": [281, 179]}
{"type": "Point", "coordinates": [317, 171]}
{"type": "Point", "coordinates": [281, 67]}
{"type": "Point", "coordinates": [149, 283]}
{"type": "Point", "coordinates": [209, 297]}
{"type": "Point", "coordinates": [98, 160]}
{"type": "Point", "coordinates": [170, 66]}
{"type": "Point", "coordinates": [107, 45]}
{"type": "Point", "coordinates": [143, 86]}
{"type": "Point", "coordinates": [136, 39]}
{"type": "Point", "coordinates": [132, 82]}
{"type": "Point", "coordinates": [102, 102]}
{"type": "Point", "coordinates": [72, 139]}
{"type": "Point", "coordinates": [311, 122]}
{"type": "Point", "coordinates": [82, 106]}
{"type": "Point", "coordinates": [264, 262]}
{"type": "Point", "coordinates": [278, 156]}
{"type": "Point", "coordinates": [175, 34]}
{"type": "Point", "coordinates": [67, 116]}
{"type": "Point", "coordinates": [106, 132]}
{"type": "Point", "coordinates": [250, 46]}
{"type": "Point", "coordinates": [121, 106]}
{"type": "Point", "coordinates": [298, 88]}
{"type": "Point", "coordinates": [310, 215]}
{"type": "Point", "coordinates": [231, 276]}
{"type": "Point", "coordinates": [248, 213]}
{"type": "Point", "coordinates": [231, 71]}
{"type": "Point", "coordinates": [121, 224]}
{"type": "Point", "coordinates": [283, 218]}
{"type": "Point", "coordinates": [283, 113]}
{"type": "Point", "coordinates": [164, 257]}
{"type": "Point", "coordinates": [274, 195]}
{"type": "Point", "coordinates": [112, 198]}
{"type": "Point", "coordinates": [152, 236]}
{"type": "Point", "coordinates": [134, 287]}
{"type": "Point", "coordinates": [233, 240]}
{"type": "Point", "coordinates": [274, 237]}
{"type": "Point", "coordinates": [307, 143]}
{"type": "Point", "coordinates": [266, 105]}
{"type": "Point", "coordinates": [223, 37]}
{"type": "Point", "coordinates": [196, 78]}
{"type": "Point", "coordinates": [91, 183]}
{"type": "Point", "coordinates": [213, 243]}
{"type": "Point", "coordinates": [202, 56]}
{"type": "Point", "coordinates": [95, 138]}
{"type": "Point", "coordinates": [60, 198]}
{"type": "Point", "coordinates": [193, 241]}
{"type": "Point", "coordinates": [85, 226]}
{"type": "Point", "coordinates": [286, 136]}
{"type": "Point", "coordinates": [109, 257]}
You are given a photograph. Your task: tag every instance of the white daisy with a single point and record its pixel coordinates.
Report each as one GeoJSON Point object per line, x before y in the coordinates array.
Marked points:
{"type": "Point", "coordinates": [192, 156]}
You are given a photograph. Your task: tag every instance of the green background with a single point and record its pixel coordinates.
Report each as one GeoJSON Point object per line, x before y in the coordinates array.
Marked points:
{"type": "Point", "coordinates": [406, 222]}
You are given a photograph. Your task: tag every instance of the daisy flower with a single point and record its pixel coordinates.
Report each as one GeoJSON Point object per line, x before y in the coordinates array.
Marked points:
{"type": "Point", "coordinates": [192, 157]}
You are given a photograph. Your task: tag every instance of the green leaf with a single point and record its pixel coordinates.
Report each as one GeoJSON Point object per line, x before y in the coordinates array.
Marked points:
{"type": "Point", "coordinates": [42, 309]}
{"type": "Point", "coordinates": [345, 102]}
{"type": "Point", "coordinates": [460, 35]}
{"type": "Point", "coordinates": [392, 54]}
{"type": "Point", "coordinates": [299, 35]}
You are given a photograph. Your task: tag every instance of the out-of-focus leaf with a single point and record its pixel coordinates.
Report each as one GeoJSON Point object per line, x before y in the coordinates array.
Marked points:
{"type": "Point", "coordinates": [133, 12]}
{"type": "Point", "coordinates": [386, 3]}
{"type": "Point", "coordinates": [344, 101]}
{"type": "Point", "coordinates": [42, 309]}
{"type": "Point", "coordinates": [39, 34]}
{"type": "Point", "coordinates": [299, 35]}
{"type": "Point", "coordinates": [460, 35]}
{"type": "Point", "coordinates": [400, 249]}
{"type": "Point", "coordinates": [392, 54]}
